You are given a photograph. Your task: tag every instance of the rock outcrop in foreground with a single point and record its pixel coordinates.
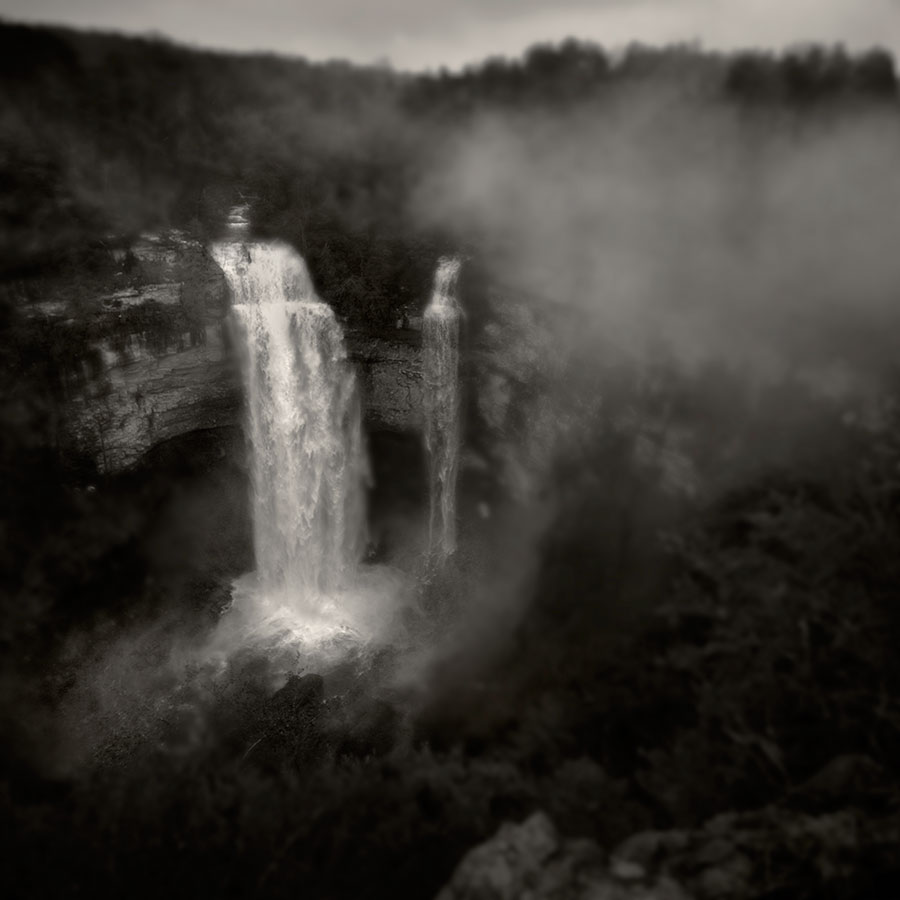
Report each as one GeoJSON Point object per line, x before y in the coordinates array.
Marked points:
{"type": "Point", "coordinates": [532, 861]}
{"type": "Point", "coordinates": [735, 856]}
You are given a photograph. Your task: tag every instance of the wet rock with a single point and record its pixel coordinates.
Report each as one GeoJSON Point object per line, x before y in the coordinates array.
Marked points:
{"type": "Point", "coordinates": [301, 696]}
{"type": "Point", "coordinates": [290, 730]}
{"type": "Point", "coordinates": [390, 375]}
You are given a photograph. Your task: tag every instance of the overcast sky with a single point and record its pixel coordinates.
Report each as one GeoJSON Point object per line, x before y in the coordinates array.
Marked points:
{"type": "Point", "coordinates": [418, 34]}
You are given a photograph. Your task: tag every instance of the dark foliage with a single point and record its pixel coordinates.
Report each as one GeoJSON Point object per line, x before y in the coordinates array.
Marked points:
{"type": "Point", "coordinates": [104, 135]}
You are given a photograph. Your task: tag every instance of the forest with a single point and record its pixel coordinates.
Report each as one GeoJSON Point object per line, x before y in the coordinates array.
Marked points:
{"type": "Point", "coordinates": [669, 623]}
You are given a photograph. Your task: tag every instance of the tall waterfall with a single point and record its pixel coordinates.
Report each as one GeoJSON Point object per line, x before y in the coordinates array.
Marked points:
{"type": "Point", "coordinates": [442, 406]}
{"type": "Point", "coordinates": [303, 422]}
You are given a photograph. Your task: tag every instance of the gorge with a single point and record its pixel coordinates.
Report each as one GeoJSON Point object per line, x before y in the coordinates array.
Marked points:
{"type": "Point", "coordinates": [148, 356]}
{"type": "Point", "coordinates": [395, 460]}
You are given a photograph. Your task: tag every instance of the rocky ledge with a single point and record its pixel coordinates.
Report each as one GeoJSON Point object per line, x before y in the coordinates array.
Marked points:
{"type": "Point", "coordinates": [144, 352]}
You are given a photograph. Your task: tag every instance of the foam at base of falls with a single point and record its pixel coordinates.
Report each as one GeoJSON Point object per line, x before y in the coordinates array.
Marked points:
{"type": "Point", "coordinates": [367, 612]}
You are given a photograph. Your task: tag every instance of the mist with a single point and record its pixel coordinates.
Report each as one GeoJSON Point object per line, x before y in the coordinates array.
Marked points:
{"type": "Point", "coordinates": [715, 233]}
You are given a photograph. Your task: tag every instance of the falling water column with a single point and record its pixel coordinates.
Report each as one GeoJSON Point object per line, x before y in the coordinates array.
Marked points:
{"type": "Point", "coordinates": [304, 427]}
{"type": "Point", "coordinates": [442, 405]}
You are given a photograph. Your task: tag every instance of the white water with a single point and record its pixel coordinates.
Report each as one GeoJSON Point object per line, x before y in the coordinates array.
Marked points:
{"type": "Point", "coordinates": [442, 404]}
{"type": "Point", "coordinates": [238, 222]}
{"type": "Point", "coordinates": [304, 427]}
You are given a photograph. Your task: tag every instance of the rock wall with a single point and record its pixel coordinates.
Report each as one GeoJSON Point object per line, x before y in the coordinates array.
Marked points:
{"type": "Point", "coordinates": [390, 375]}
{"type": "Point", "coordinates": [148, 354]}
{"type": "Point", "coordinates": [146, 395]}
{"type": "Point", "coordinates": [142, 349]}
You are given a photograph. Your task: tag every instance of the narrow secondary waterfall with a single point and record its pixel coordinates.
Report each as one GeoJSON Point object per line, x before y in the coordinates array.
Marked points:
{"type": "Point", "coordinates": [308, 460]}
{"type": "Point", "coordinates": [442, 406]}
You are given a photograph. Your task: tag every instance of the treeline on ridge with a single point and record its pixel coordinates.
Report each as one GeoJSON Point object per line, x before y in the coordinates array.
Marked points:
{"type": "Point", "coordinates": [104, 136]}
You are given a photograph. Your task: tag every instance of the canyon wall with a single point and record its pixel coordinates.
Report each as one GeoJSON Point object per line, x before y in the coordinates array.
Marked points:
{"type": "Point", "coordinates": [143, 352]}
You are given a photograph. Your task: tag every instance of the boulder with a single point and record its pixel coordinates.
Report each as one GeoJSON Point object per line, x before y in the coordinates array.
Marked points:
{"type": "Point", "coordinates": [754, 854]}
{"type": "Point", "coordinates": [531, 861]}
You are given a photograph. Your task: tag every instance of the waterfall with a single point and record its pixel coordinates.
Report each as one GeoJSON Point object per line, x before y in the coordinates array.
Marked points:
{"type": "Point", "coordinates": [442, 406]}
{"type": "Point", "coordinates": [304, 427]}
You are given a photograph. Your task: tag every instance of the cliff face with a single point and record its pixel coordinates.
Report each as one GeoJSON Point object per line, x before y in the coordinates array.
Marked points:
{"type": "Point", "coordinates": [142, 351]}
{"type": "Point", "coordinates": [389, 368]}
{"type": "Point", "coordinates": [146, 353]}
{"type": "Point", "coordinates": [148, 394]}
